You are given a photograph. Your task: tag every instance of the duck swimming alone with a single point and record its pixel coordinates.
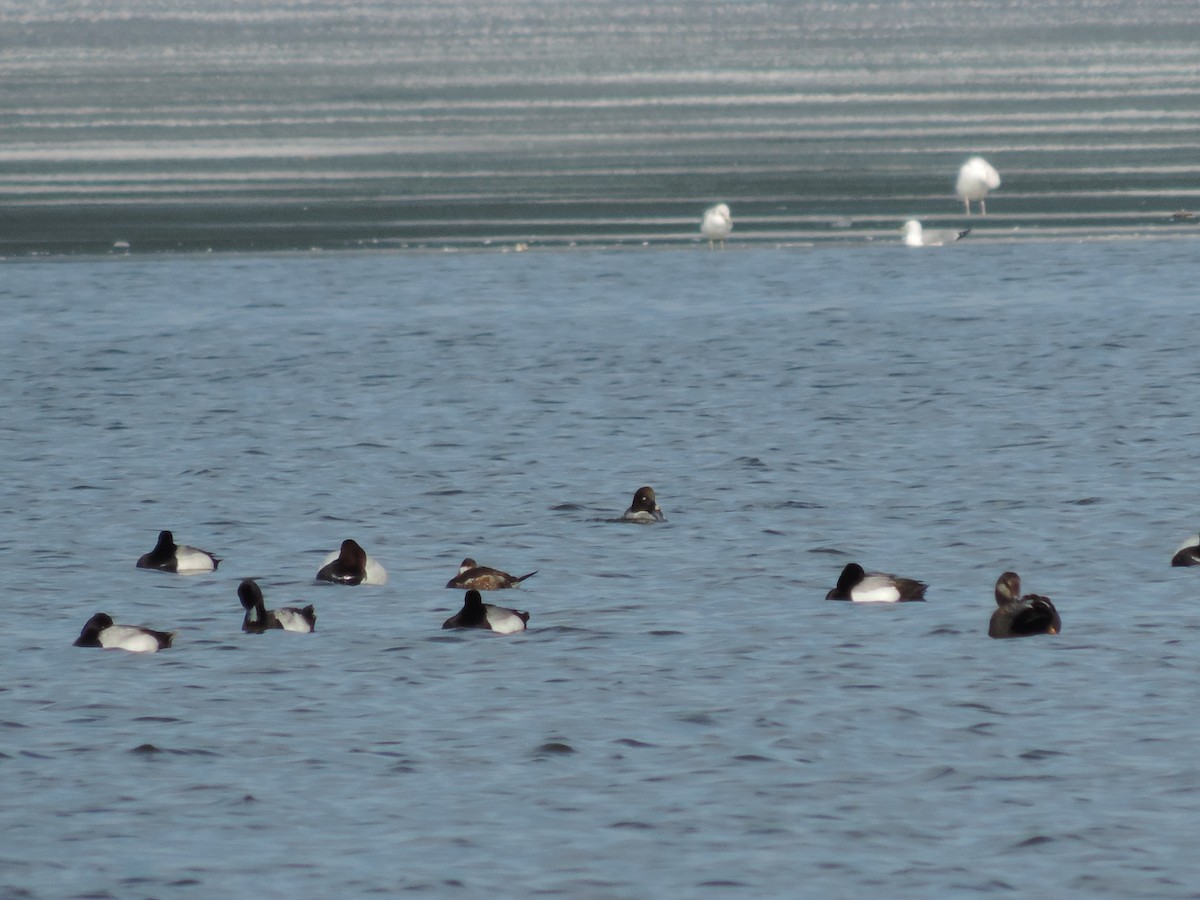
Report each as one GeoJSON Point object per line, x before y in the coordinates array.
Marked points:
{"type": "Point", "coordinates": [644, 508]}
{"type": "Point", "coordinates": [101, 632]}
{"type": "Point", "coordinates": [876, 587]}
{"type": "Point", "coordinates": [351, 565]}
{"type": "Point", "coordinates": [477, 614]}
{"type": "Point", "coordinates": [484, 578]}
{"type": "Point", "coordinates": [1017, 616]}
{"type": "Point", "coordinates": [167, 556]}
{"type": "Point", "coordinates": [259, 619]}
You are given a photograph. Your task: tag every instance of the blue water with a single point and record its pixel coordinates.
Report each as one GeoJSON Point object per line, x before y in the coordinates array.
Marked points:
{"type": "Point", "coordinates": [686, 715]}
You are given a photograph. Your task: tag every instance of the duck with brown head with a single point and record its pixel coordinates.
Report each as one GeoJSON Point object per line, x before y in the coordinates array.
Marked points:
{"type": "Point", "coordinates": [644, 509]}
{"type": "Point", "coordinates": [351, 565]}
{"type": "Point", "coordinates": [1017, 616]}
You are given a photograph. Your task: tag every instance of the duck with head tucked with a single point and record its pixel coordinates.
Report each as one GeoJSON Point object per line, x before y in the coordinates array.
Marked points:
{"type": "Point", "coordinates": [101, 631]}
{"type": "Point", "coordinates": [351, 565]}
{"type": "Point", "coordinates": [859, 586]}
{"type": "Point", "coordinates": [168, 556]}
{"type": "Point", "coordinates": [484, 578]}
{"type": "Point", "coordinates": [1188, 553]}
{"type": "Point", "coordinates": [259, 619]}
{"type": "Point", "coordinates": [1018, 616]}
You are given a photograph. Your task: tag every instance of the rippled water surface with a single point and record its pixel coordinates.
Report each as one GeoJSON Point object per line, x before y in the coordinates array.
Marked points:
{"type": "Point", "coordinates": [686, 715]}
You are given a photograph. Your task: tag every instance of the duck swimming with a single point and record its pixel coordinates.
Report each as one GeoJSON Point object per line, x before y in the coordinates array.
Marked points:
{"type": "Point", "coordinates": [1188, 553]}
{"type": "Point", "coordinates": [100, 631]}
{"type": "Point", "coordinates": [1017, 616]}
{"type": "Point", "coordinates": [859, 586]}
{"type": "Point", "coordinates": [477, 614]}
{"type": "Point", "coordinates": [484, 578]}
{"type": "Point", "coordinates": [351, 565]}
{"type": "Point", "coordinates": [168, 556]}
{"type": "Point", "coordinates": [259, 619]}
{"type": "Point", "coordinates": [644, 508]}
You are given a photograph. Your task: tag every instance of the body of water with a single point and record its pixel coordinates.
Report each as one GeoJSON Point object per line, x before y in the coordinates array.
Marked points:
{"type": "Point", "coordinates": [686, 714]}
{"type": "Point", "coordinates": [278, 124]}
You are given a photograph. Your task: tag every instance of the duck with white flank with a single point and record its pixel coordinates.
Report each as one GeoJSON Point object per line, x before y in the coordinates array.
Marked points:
{"type": "Point", "coordinates": [351, 565]}
{"type": "Point", "coordinates": [259, 619]}
{"type": "Point", "coordinates": [644, 508]}
{"type": "Point", "coordinates": [100, 631]}
{"type": "Point", "coordinates": [168, 556]}
{"type": "Point", "coordinates": [1188, 553]}
{"type": "Point", "coordinates": [477, 614]}
{"type": "Point", "coordinates": [875, 587]}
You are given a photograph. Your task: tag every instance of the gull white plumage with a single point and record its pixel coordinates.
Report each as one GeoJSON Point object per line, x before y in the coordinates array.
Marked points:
{"type": "Point", "coordinates": [917, 236]}
{"type": "Point", "coordinates": [975, 179]}
{"type": "Point", "coordinates": [716, 224]}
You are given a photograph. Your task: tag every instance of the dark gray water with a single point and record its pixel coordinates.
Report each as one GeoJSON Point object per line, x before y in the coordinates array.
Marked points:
{"type": "Point", "coordinates": [278, 124]}
{"type": "Point", "coordinates": [686, 714]}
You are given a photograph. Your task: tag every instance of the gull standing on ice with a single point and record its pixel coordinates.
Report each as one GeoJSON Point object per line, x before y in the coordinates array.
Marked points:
{"type": "Point", "coordinates": [716, 225]}
{"type": "Point", "coordinates": [975, 179]}
{"type": "Point", "coordinates": [916, 236]}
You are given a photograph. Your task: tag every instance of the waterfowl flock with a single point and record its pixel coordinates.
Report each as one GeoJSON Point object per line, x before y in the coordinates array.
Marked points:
{"type": "Point", "coordinates": [1015, 615]}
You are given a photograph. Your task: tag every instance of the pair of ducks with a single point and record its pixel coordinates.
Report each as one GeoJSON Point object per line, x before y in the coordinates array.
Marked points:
{"type": "Point", "coordinates": [1015, 615]}
{"type": "Point", "coordinates": [474, 614]}
{"type": "Point", "coordinates": [350, 564]}
{"type": "Point", "coordinates": [101, 631]}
